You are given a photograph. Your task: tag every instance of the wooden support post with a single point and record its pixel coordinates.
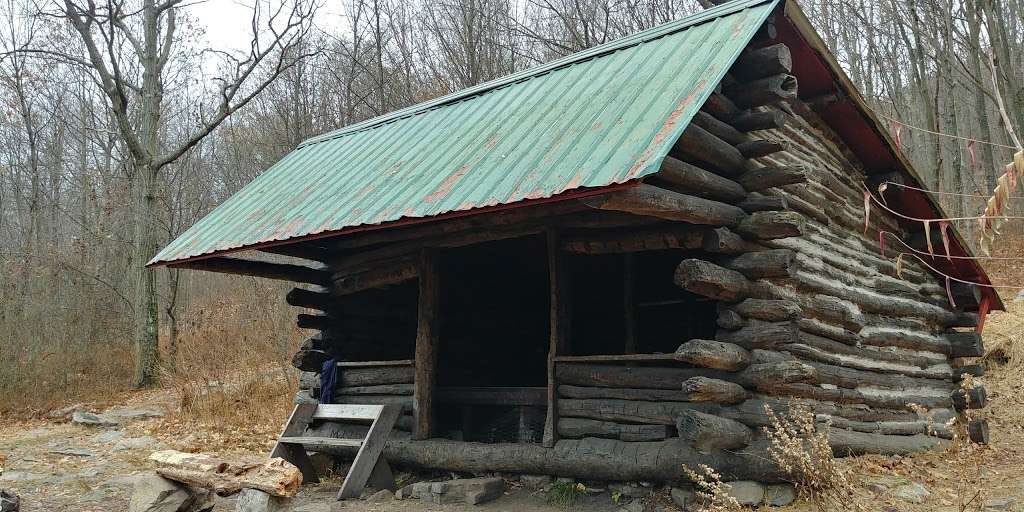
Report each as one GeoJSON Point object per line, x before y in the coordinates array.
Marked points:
{"type": "Point", "coordinates": [426, 345]}
{"type": "Point", "coordinates": [559, 319]}
{"type": "Point", "coordinates": [629, 301]}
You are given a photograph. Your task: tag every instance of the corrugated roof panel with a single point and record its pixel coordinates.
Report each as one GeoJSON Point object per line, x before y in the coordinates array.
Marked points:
{"type": "Point", "coordinates": [601, 117]}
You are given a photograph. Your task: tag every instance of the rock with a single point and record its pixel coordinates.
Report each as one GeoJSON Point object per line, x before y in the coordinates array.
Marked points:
{"type": "Point", "coordinates": [153, 493]}
{"type": "Point", "coordinates": [633, 506]}
{"type": "Point", "coordinates": [108, 436]}
{"type": "Point", "coordinates": [1019, 297]}
{"type": "Point", "coordinates": [65, 413]}
{"type": "Point", "coordinates": [883, 483]}
{"type": "Point", "coordinates": [133, 413]}
{"type": "Point", "coordinates": [685, 498]}
{"type": "Point", "coordinates": [73, 452]}
{"type": "Point", "coordinates": [1007, 503]}
{"type": "Point", "coordinates": [779, 495]}
{"type": "Point", "coordinates": [631, 490]}
{"type": "Point", "coordinates": [134, 443]}
{"type": "Point", "coordinates": [92, 420]}
{"type": "Point", "coordinates": [912, 493]}
{"type": "Point", "coordinates": [746, 492]}
{"type": "Point", "coordinates": [465, 490]}
{"type": "Point", "coordinates": [24, 476]}
{"type": "Point", "coordinates": [314, 507]}
{"type": "Point", "coordinates": [536, 481]}
{"type": "Point", "coordinates": [9, 502]}
{"type": "Point", "coordinates": [252, 500]}
{"type": "Point", "coordinates": [381, 496]}
{"type": "Point", "coordinates": [404, 493]}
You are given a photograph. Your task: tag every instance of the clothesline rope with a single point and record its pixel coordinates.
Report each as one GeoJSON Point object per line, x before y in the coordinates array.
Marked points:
{"type": "Point", "coordinates": [941, 134]}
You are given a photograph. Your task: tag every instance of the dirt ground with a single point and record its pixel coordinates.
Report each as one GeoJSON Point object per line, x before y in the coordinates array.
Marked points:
{"type": "Point", "coordinates": [56, 465]}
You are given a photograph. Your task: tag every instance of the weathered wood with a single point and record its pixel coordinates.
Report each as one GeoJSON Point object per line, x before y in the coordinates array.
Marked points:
{"type": "Point", "coordinates": [278, 271]}
{"type": "Point", "coordinates": [310, 250]}
{"type": "Point", "coordinates": [707, 432]}
{"type": "Point", "coordinates": [377, 364]}
{"type": "Point", "coordinates": [977, 431]}
{"type": "Point", "coordinates": [753, 121]}
{"type": "Point", "coordinates": [558, 331]}
{"type": "Point", "coordinates": [771, 225]}
{"type": "Point", "coordinates": [385, 274]}
{"type": "Point", "coordinates": [426, 345]}
{"type": "Point", "coordinates": [972, 398]}
{"type": "Point", "coordinates": [661, 395]}
{"type": "Point", "coordinates": [890, 428]}
{"type": "Point", "coordinates": [768, 310]}
{"type": "Point", "coordinates": [771, 263]}
{"type": "Point", "coordinates": [381, 389]}
{"type": "Point", "coordinates": [761, 148]}
{"type": "Point", "coordinates": [762, 203]}
{"type": "Point", "coordinates": [974, 370]}
{"type": "Point", "coordinates": [297, 423]}
{"type": "Point", "coordinates": [575, 428]}
{"type": "Point", "coordinates": [687, 178]}
{"type": "Point", "coordinates": [760, 334]}
{"type": "Point", "coordinates": [965, 344]}
{"type": "Point", "coordinates": [763, 91]}
{"type": "Point", "coordinates": [770, 176]}
{"type": "Point", "coordinates": [706, 389]}
{"type": "Point", "coordinates": [758, 376]}
{"type": "Point", "coordinates": [308, 321]}
{"type": "Point", "coordinates": [654, 238]}
{"type": "Point", "coordinates": [369, 452]}
{"type": "Point", "coordinates": [765, 377]}
{"type": "Point", "coordinates": [275, 476]}
{"type": "Point", "coordinates": [847, 443]}
{"type": "Point", "coordinates": [721, 107]}
{"type": "Point", "coordinates": [653, 201]}
{"type": "Point", "coordinates": [310, 360]}
{"type": "Point", "coordinates": [713, 354]}
{"type": "Point", "coordinates": [353, 377]}
{"type": "Point", "coordinates": [710, 280]}
{"type": "Point", "coordinates": [761, 62]}
{"type": "Point", "coordinates": [724, 241]}
{"type": "Point", "coordinates": [697, 144]}
{"type": "Point", "coordinates": [729, 320]}
{"type": "Point", "coordinates": [720, 129]}
{"type": "Point", "coordinates": [617, 358]}
{"type": "Point", "coordinates": [303, 298]}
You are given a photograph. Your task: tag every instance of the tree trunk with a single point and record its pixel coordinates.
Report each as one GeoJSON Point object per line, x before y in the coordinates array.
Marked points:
{"type": "Point", "coordinates": [144, 306]}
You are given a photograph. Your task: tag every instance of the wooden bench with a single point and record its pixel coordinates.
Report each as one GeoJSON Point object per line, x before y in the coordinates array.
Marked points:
{"type": "Point", "coordinates": [368, 466]}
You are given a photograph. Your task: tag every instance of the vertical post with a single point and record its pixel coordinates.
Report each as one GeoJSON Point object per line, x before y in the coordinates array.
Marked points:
{"type": "Point", "coordinates": [629, 301]}
{"type": "Point", "coordinates": [559, 319]}
{"type": "Point", "coordinates": [426, 345]}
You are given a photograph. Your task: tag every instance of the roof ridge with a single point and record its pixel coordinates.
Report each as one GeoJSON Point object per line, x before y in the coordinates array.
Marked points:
{"type": "Point", "coordinates": [638, 38]}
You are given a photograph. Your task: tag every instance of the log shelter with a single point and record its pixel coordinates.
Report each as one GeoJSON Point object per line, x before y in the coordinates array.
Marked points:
{"type": "Point", "coordinates": [608, 266]}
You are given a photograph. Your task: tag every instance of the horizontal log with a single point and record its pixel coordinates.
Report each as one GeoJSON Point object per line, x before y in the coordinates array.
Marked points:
{"type": "Point", "coordinates": [771, 225]}
{"type": "Point", "coordinates": [729, 320]}
{"type": "Point", "coordinates": [575, 428]}
{"type": "Point", "coordinates": [965, 344]}
{"type": "Point", "coordinates": [756, 376]}
{"type": "Point", "coordinates": [754, 121]}
{"type": "Point", "coordinates": [764, 91]}
{"type": "Point", "coordinates": [310, 250]}
{"type": "Point", "coordinates": [687, 178]}
{"type": "Point", "coordinates": [310, 360]}
{"type": "Point", "coordinates": [720, 129]}
{"type": "Point", "coordinates": [710, 280]}
{"type": "Point", "coordinates": [890, 428]}
{"type": "Point", "coordinates": [763, 178]}
{"type": "Point", "coordinates": [762, 203]}
{"type": "Point", "coordinates": [653, 201]}
{"type": "Point", "coordinates": [761, 62]}
{"type": "Point", "coordinates": [383, 389]}
{"type": "Point", "coordinates": [974, 370]}
{"type": "Point", "coordinates": [761, 148]}
{"type": "Point", "coordinates": [278, 271]}
{"type": "Point", "coordinates": [699, 145]}
{"type": "Point", "coordinates": [708, 433]}
{"type": "Point", "coordinates": [768, 310]}
{"type": "Point", "coordinates": [723, 241]}
{"type": "Point", "coordinates": [303, 298]}
{"type": "Point", "coordinates": [885, 399]}
{"type": "Point", "coordinates": [770, 263]}
{"type": "Point", "coordinates": [971, 398]}
{"type": "Point", "coordinates": [713, 354]}
{"type": "Point", "coordinates": [759, 334]}
{"type": "Point", "coordinates": [846, 443]}
{"type": "Point", "coordinates": [648, 394]}
{"type": "Point", "coordinates": [654, 238]}
{"type": "Point", "coordinates": [352, 377]}
{"type": "Point", "coordinates": [384, 274]}
{"type": "Point", "coordinates": [721, 107]}
{"type": "Point", "coordinates": [308, 321]}
{"type": "Point", "coordinates": [706, 389]}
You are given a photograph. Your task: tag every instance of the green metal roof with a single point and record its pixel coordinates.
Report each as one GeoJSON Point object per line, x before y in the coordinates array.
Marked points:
{"type": "Point", "coordinates": [597, 118]}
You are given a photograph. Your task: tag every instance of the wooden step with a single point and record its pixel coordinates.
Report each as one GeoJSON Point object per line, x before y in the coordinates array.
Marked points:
{"type": "Point", "coordinates": [322, 441]}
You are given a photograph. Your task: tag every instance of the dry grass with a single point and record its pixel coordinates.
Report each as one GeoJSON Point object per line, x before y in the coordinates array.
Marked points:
{"type": "Point", "coordinates": [710, 490]}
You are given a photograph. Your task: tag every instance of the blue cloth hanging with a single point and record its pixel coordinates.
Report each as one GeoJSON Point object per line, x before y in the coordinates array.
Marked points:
{"type": "Point", "coordinates": [328, 378]}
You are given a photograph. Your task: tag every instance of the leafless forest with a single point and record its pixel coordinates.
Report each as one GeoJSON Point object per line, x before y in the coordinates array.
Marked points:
{"type": "Point", "coordinates": [120, 128]}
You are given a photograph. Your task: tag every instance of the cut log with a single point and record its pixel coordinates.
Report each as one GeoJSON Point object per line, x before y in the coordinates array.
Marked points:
{"type": "Point", "coordinates": [965, 344]}
{"type": "Point", "coordinates": [575, 428]}
{"type": "Point", "coordinates": [713, 354]}
{"type": "Point", "coordinates": [352, 377]}
{"type": "Point", "coordinates": [729, 320]}
{"type": "Point", "coordinates": [760, 334]}
{"type": "Point", "coordinates": [772, 225]}
{"type": "Point", "coordinates": [307, 321]}
{"type": "Point", "coordinates": [303, 298]}
{"type": "Point", "coordinates": [653, 201]}
{"type": "Point", "coordinates": [973, 398]}
{"type": "Point", "coordinates": [760, 148]}
{"type": "Point", "coordinates": [768, 310]}
{"type": "Point", "coordinates": [724, 241]}
{"type": "Point", "coordinates": [708, 433]}
{"type": "Point", "coordinates": [764, 91]}
{"type": "Point", "coordinates": [761, 203]}
{"type": "Point", "coordinates": [654, 238]}
{"type": "Point", "coordinates": [278, 271]}
{"type": "Point", "coordinates": [846, 443]}
{"type": "Point", "coordinates": [225, 477]}
{"type": "Point", "coordinates": [385, 274]}
{"type": "Point", "coordinates": [706, 389]}
{"type": "Point", "coordinates": [974, 370]}
{"type": "Point", "coordinates": [977, 431]}
{"type": "Point", "coordinates": [753, 121]}
{"type": "Point", "coordinates": [761, 62]}
{"type": "Point", "coordinates": [698, 145]}
{"type": "Point", "coordinates": [689, 179]}
{"type": "Point", "coordinates": [721, 107]}
{"type": "Point", "coordinates": [720, 129]}
{"type": "Point", "coordinates": [383, 389]}
{"type": "Point", "coordinates": [755, 265]}
{"type": "Point", "coordinates": [710, 280]}
{"type": "Point", "coordinates": [644, 394]}
{"type": "Point", "coordinates": [770, 176]}
{"type": "Point", "coordinates": [765, 377]}
{"type": "Point", "coordinates": [310, 360]}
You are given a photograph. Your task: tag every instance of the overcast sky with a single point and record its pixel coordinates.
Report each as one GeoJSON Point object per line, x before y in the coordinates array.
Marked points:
{"type": "Point", "coordinates": [227, 21]}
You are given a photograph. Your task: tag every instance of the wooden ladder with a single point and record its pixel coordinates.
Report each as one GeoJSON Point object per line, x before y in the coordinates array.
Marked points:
{"type": "Point", "coordinates": [368, 466]}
